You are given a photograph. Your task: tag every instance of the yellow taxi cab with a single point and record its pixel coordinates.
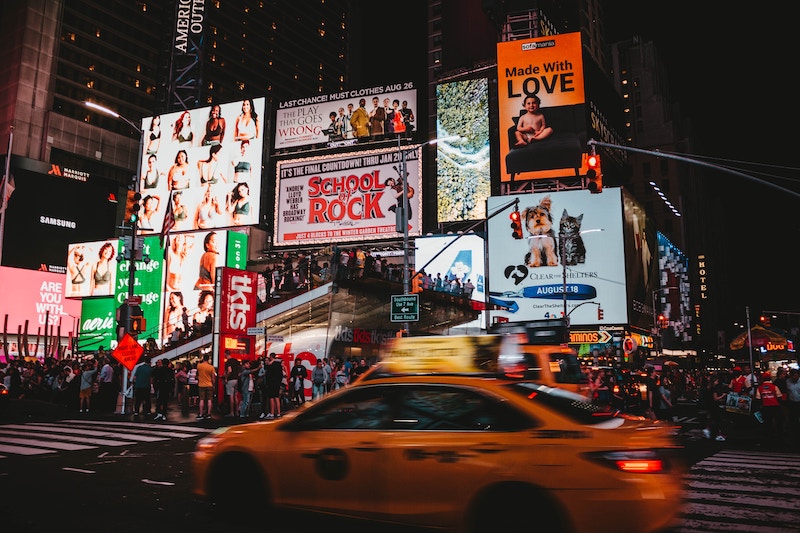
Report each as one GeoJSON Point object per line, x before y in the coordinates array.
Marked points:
{"type": "Point", "coordinates": [443, 438]}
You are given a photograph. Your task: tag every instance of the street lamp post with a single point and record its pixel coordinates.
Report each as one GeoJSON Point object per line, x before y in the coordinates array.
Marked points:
{"type": "Point", "coordinates": [134, 228]}
{"type": "Point", "coordinates": [134, 223]}
{"type": "Point", "coordinates": [402, 218]}
{"type": "Point", "coordinates": [656, 328]}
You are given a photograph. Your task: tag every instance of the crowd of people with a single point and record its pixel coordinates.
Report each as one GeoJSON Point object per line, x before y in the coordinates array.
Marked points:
{"type": "Point", "coordinates": [159, 387]}
{"type": "Point", "coordinates": [725, 398]}
{"type": "Point", "coordinates": [93, 384]}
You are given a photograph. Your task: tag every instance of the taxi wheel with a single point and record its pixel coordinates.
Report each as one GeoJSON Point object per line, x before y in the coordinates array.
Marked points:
{"type": "Point", "coordinates": [235, 482]}
{"type": "Point", "coordinates": [515, 507]}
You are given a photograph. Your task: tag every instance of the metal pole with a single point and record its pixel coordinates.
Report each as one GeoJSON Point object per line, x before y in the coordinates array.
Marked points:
{"type": "Point", "coordinates": [4, 189]}
{"type": "Point", "coordinates": [750, 341]}
{"type": "Point", "coordinates": [406, 326]}
{"type": "Point", "coordinates": [561, 236]}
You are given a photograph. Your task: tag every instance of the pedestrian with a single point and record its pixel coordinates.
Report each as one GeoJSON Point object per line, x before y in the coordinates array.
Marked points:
{"type": "Point", "coordinates": [246, 388]}
{"type": "Point", "coordinates": [206, 376]}
{"type": "Point", "coordinates": [664, 395]}
{"type": "Point", "coordinates": [341, 376]}
{"type": "Point", "coordinates": [142, 378]}
{"type": "Point", "coordinates": [318, 377]}
{"type": "Point", "coordinates": [359, 370]}
{"type": "Point", "coordinates": [182, 388]}
{"type": "Point", "coordinates": [326, 366]}
{"type": "Point", "coordinates": [87, 381]}
{"type": "Point", "coordinates": [107, 393]}
{"type": "Point", "coordinates": [163, 384]}
{"type": "Point", "coordinates": [273, 378]}
{"type": "Point", "coordinates": [793, 406]}
{"type": "Point", "coordinates": [297, 385]}
{"type": "Point", "coordinates": [713, 396]}
{"type": "Point", "coordinates": [771, 398]}
{"type": "Point", "coordinates": [232, 370]}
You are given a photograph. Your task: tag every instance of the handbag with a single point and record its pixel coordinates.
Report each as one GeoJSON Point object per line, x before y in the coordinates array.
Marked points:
{"type": "Point", "coordinates": [129, 391]}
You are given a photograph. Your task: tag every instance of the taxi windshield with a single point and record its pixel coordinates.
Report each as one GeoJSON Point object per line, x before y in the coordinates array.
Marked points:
{"type": "Point", "coordinates": [571, 405]}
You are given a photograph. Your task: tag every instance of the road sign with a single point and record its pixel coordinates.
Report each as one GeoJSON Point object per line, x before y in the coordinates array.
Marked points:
{"type": "Point", "coordinates": [589, 337]}
{"type": "Point", "coordinates": [257, 331]}
{"type": "Point", "coordinates": [128, 352]}
{"type": "Point", "coordinates": [405, 308]}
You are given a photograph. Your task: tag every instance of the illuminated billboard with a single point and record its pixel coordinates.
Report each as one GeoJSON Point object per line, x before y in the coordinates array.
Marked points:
{"type": "Point", "coordinates": [191, 267]}
{"type": "Point", "coordinates": [463, 181]}
{"type": "Point", "coordinates": [51, 207]}
{"type": "Point", "coordinates": [35, 298]}
{"type": "Point", "coordinates": [541, 106]}
{"type": "Point", "coordinates": [571, 238]}
{"type": "Point", "coordinates": [349, 197]}
{"type": "Point", "coordinates": [673, 269]}
{"type": "Point", "coordinates": [347, 117]}
{"type": "Point", "coordinates": [206, 162]}
{"type": "Point", "coordinates": [91, 269]}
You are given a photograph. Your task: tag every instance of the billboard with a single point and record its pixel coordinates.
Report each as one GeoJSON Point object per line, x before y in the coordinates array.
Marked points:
{"type": "Point", "coordinates": [36, 298]}
{"type": "Point", "coordinates": [191, 269]}
{"type": "Point", "coordinates": [571, 238]}
{"type": "Point", "coordinates": [541, 107]}
{"type": "Point", "coordinates": [347, 117]}
{"type": "Point", "coordinates": [351, 197]}
{"type": "Point", "coordinates": [206, 162]}
{"type": "Point", "coordinates": [673, 269]}
{"type": "Point", "coordinates": [463, 180]}
{"type": "Point", "coordinates": [641, 262]}
{"type": "Point", "coordinates": [91, 268]}
{"type": "Point", "coordinates": [51, 207]}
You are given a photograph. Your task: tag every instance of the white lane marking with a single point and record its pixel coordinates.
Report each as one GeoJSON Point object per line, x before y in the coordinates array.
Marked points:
{"type": "Point", "coordinates": [23, 450]}
{"type": "Point", "coordinates": [81, 431]}
{"type": "Point", "coordinates": [151, 482]}
{"type": "Point", "coordinates": [69, 438]}
{"type": "Point", "coordinates": [34, 442]}
{"type": "Point", "coordinates": [78, 470]}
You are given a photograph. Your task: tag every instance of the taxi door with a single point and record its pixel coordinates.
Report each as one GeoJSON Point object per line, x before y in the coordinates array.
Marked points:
{"type": "Point", "coordinates": [331, 457]}
{"type": "Point", "coordinates": [448, 442]}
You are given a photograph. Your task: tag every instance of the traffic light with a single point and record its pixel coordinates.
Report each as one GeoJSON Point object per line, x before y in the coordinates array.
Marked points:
{"type": "Point", "coordinates": [132, 207]}
{"type": "Point", "coordinates": [516, 224]}
{"type": "Point", "coordinates": [416, 282]}
{"type": "Point", "coordinates": [765, 321]}
{"type": "Point", "coordinates": [594, 178]}
{"type": "Point", "coordinates": [662, 321]}
{"type": "Point", "coordinates": [599, 313]}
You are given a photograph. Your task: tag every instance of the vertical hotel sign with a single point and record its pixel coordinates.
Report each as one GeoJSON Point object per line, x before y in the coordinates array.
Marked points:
{"type": "Point", "coordinates": [549, 67]}
{"type": "Point", "coordinates": [187, 43]}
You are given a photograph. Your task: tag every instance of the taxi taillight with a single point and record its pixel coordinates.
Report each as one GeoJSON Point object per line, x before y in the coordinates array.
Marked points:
{"type": "Point", "coordinates": [631, 461]}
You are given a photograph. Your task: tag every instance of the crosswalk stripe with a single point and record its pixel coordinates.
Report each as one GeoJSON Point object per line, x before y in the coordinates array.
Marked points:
{"type": "Point", "coordinates": [38, 438]}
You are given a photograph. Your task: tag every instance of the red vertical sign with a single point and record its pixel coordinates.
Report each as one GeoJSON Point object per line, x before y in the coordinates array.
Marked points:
{"type": "Point", "coordinates": [237, 313]}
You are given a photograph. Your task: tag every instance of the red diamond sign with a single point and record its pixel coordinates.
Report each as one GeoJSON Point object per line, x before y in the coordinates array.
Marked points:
{"type": "Point", "coordinates": [128, 352]}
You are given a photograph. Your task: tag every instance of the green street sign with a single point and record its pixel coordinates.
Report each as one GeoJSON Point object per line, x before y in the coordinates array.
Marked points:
{"type": "Point", "coordinates": [405, 308]}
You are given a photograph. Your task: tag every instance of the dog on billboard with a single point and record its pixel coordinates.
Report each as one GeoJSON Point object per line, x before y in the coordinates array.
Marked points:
{"type": "Point", "coordinates": [542, 241]}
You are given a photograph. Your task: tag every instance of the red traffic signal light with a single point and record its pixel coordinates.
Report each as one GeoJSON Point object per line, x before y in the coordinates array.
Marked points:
{"type": "Point", "coordinates": [416, 283]}
{"type": "Point", "coordinates": [594, 178]}
{"type": "Point", "coordinates": [516, 224]}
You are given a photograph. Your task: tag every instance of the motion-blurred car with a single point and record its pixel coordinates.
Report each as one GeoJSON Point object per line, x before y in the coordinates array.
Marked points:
{"type": "Point", "coordinates": [449, 443]}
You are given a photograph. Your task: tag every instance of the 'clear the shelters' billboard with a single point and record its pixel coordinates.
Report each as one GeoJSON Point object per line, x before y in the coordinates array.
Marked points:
{"type": "Point", "coordinates": [347, 117]}
{"type": "Point", "coordinates": [571, 239]}
{"type": "Point", "coordinates": [348, 197]}
{"type": "Point", "coordinates": [541, 107]}
{"type": "Point", "coordinates": [207, 163]}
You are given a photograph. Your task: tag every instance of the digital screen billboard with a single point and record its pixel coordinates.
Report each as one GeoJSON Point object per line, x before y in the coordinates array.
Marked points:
{"type": "Point", "coordinates": [541, 107]}
{"type": "Point", "coordinates": [463, 180]}
{"type": "Point", "coordinates": [347, 117]}
{"type": "Point", "coordinates": [349, 197]}
{"type": "Point", "coordinates": [206, 162]}
{"type": "Point", "coordinates": [92, 268]}
{"type": "Point", "coordinates": [37, 298]}
{"type": "Point", "coordinates": [571, 238]}
{"type": "Point", "coordinates": [673, 268]}
{"type": "Point", "coordinates": [51, 207]}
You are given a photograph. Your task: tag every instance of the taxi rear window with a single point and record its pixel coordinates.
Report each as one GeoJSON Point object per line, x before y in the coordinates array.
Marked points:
{"type": "Point", "coordinates": [571, 405]}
